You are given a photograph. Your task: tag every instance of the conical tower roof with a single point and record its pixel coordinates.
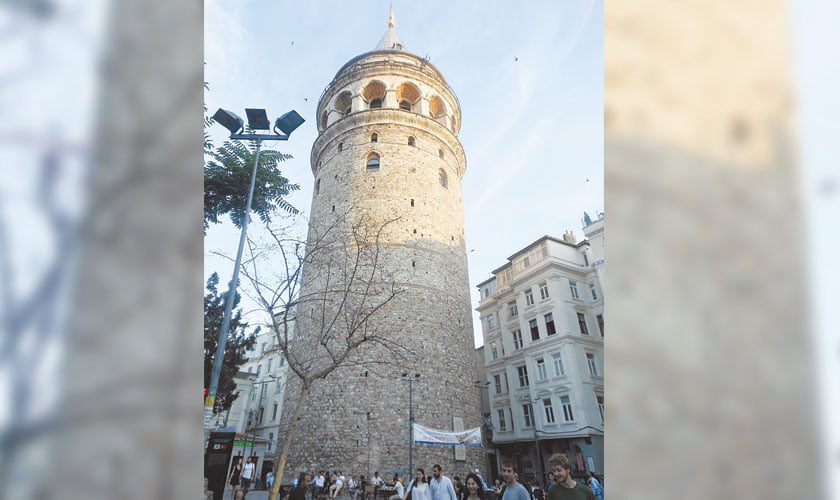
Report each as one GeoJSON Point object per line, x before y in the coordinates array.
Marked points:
{"type": "Point", "coordinates": [390, 40]}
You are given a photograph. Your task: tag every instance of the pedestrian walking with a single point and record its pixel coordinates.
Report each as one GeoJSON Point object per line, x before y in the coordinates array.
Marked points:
{"type": "Point", "coordinates": [596, 487]}
{"type": "Point", "coordinates": [418, 489]}
{"type": "Point", "coordinates": [566, 488]}
{"type": "Point", "coordinates": [512, 490]}
{"type": "Point", "coordinates": [235, 478]}
{"type": "Point", "coordinates": [441, 486]}
{"type": "Point", "coordinates": [473, 488]}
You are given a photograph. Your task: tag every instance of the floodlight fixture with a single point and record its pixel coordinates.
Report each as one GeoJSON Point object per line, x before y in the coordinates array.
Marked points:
{"type": "Point", "coordinates": [229, 120]}
{"type": "Point", "coordinates": [288, 122]}
{"type": "Point", "coordinates": [257, 119]}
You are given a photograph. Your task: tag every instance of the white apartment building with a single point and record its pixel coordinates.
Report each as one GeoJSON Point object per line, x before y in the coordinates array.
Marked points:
{"type": "Point", "coordinates": [542, 316]}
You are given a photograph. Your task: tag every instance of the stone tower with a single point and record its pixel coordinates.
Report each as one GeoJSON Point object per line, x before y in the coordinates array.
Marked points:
{"type": "Point", "coordinates": [387, 158]}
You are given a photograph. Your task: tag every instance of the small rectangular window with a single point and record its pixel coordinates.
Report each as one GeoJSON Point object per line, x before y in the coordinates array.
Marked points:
{"type": "Point", "coordinates": [582, 324]}
{"type": "Point", "coordinates": [493, 351]}
{"type": "Point", "coordinates": [502, 425]}
{"type": "Point", "coordinates": [517, 339]}
{"type": "Point", "coordinates": [512, 311]}
{"type": "Point", "coordinates": [567, 408]}
{"type": "Point", "coordinates": [528, 411]}
{"type": "Point", "coordinates": [549, 324]}
{"type": "Point", "coordinates": [573, 289]}
{"type": "Point", "coordinates": [490, 322]}
{"type": "Point", "coordinates": [535, 330]}
{"type": "Point", "coordinates": [543, 291]}
{"type": "Point", "coordinates": [558, 365]}
{"type": "Point", "coordinates": [593, 365]}
{"type": "Point", "coordinates": [600, 400]}
{"type": "Point", "coordinates": [522, 370]}
{"type": "Point", "coordinates": [497, 381]}
{"type": "Point", "coordinates": [549, 411]}
{"type": "Point", "coordinates": [600, 319]}
{"type": "Point", "coordinates": [541, 375]}
{"type": "Point", "coordinates": [529, 297]}
{"type": "Point", "coordinates": [592, 291]}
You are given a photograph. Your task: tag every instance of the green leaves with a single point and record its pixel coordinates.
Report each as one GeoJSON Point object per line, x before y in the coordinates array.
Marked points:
{"type": "Point", "coordinates": [227, 177]}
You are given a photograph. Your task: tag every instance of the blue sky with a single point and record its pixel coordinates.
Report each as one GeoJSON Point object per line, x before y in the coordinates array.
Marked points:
{"type": "Point", "coordinates": [529, 80]}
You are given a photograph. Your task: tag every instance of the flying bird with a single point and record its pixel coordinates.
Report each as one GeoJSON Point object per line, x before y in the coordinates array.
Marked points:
{"type": "Point", "coordinates": [305, 99]}
{"type": "Point", "coordinates": [515, 59]}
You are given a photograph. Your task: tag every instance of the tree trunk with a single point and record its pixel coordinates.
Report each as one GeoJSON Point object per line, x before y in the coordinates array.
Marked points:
{"type": "Point", "coordinates": [287, 440]}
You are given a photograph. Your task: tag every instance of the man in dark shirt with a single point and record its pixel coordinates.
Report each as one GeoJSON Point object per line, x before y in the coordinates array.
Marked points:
{"type": "Point", "coordinates": [564, 487]}
{"type": "Point", "coordinates": [303, 490]}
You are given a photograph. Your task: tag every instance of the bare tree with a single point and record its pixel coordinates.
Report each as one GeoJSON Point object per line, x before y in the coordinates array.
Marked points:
{"type": "Point", "coordinates": [324, 302]}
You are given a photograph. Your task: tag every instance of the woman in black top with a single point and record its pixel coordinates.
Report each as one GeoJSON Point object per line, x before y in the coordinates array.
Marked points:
{"type": "Point", "coordinates": [235, 476]}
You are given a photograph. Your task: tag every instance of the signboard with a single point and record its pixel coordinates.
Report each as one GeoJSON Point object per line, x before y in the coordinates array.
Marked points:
{"type": "Point", "coordinates": [460, 450]}
{"type": "Point", "coordinates": [219, 450]}
{"type": "Point", "coordinates": [426, 435]}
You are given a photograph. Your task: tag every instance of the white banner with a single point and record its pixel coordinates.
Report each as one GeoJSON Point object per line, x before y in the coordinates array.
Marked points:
{"type": "Point", "coordinates": [425, 435]}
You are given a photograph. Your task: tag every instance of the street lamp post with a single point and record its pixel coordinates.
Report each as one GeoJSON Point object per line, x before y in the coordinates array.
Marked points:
{"type": "Point", "coordinates": [414, 377]}
{"type": "Point", "coordinates": [257, 120]}
{"type": "Point", "coordinates": [484, 387]}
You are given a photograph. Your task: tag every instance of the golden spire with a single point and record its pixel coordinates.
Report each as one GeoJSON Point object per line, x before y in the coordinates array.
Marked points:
{"type": "Point", "coordinates": [391, 17]}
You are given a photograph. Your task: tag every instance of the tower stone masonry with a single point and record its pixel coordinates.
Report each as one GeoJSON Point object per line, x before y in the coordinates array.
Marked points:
{"type": "Point", "coordinates": [387, 161]}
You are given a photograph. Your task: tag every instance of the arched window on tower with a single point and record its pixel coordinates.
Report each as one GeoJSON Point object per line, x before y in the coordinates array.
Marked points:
{"type": "Point", "coordinates": [374, 137]}
{"type": "Point", "coordinates": [376, 103]}
{"type": "Point", "coordinates": [410, 141]}
{"type": "Point", "coordinates": [372, 164]}
{"type": "Point", "coordinates": [317, 186]}
{"type": "Point", "coordinates": [405, 105]}
{"type": "Point", "coordinates": [442, 178]}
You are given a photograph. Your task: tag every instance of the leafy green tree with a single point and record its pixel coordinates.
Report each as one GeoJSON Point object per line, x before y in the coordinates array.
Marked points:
{"type": "Point", "coordinates": [227, 177]}
{"type": "Point", "coordinates": [238, 342]}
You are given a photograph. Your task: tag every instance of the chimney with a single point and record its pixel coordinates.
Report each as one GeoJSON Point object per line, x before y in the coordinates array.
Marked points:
{"type": "Point", "coordinates": [569, 237]}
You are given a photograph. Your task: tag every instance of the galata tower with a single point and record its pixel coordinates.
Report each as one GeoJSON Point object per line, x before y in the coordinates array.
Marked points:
{"type": "Point", "coordinates": [387, 163]}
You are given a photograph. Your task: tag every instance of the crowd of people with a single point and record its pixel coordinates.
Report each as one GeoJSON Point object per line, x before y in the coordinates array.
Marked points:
{"type": "Point", "coordinates": [560, 485]}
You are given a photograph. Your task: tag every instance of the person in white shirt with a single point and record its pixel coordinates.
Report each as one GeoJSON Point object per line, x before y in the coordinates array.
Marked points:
{"type": "Point", "coordinates": [418, 489]}
{"type": "Point", "coordinates": [399, 490]}
{"type": "Point", "coordinates": [335, 489]}
{"type": "Point", "coordinates": [441, 486]}
{"type": "Point", "coordinates": [319, 484]}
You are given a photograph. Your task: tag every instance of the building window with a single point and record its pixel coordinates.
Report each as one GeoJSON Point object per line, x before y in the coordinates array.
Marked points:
{"type": "Point", "coordinates": [317, 186]}
{"type": "Point", "coordinates": [527, 261]}
{"type": "Point", "coordinates": [490, 323]}
{"type": "Point", "coordinates": [549, 411]}
{"type": "Point", "coordinates": [592, 291]}
{"type": "Point", "coordinates": [528, 411]}
{"type": "Point", "coordinates": [567, 408]}
{"type": "Point", "coordinates": [558, 365]}
{"type": "Point", "coordinates": [373, 163]}
{"type": "Point", "coordinates": [497, 381]}
{"type": "Point", "coordinates": [543, 291]}
{"type": "Point", "coordinates": [259, 368]}
{"type": "Point", "coordinates": [512, 311]}
{"type": "Point", "coordinates": [600, 319]}
{"type": "Point", "coordinates": [585, 260]}
{"type": "Point", "coordinates": [269, 365]}
{"type": "Point", "coordinates": [376, 103]}
{"type": "Point", "coordinates": [277, 385]}
{"type": "Point", "coordinates": [522, 370]}
{"type": "Point", "coordinates": [282, 361]}
{"type": "Point", "coordinates": [494, 353]}
{"type": "Point", "coordinates": [374, 137]}
{"type": "Point", "coordinates": [600, 400]}
{"type": "Point", "coordinates": [549, 324]}
{"type": "Point", "coordinates": [541, 369]}
{"type": "Point", "coordinates": [510, 414]}
{"type": "Point", "coordinates": [535, 330]}
{"type": "Point", "coordinates": [574, 290]}
{"type": "Point", "coordinates": [270, 440]}
{"type": "Point", "coordinates": [582, 324]}
{"type": "Point", "coordinates": [502, 424]}
{"type": "Point", "coordinates": [274, 412]}
{"type": "Point", "coordinates": [405, 105]}
{"type": "Point", "coordinates": [442, 178]}
{"type": "Point", "coordinates": [440, 153]}
{"type": "Point", "coordinates": [410, 141]}
{"type": "Point", "coordinates": [529, 297]}
{"type": "Point", "coordinates": [593, 365]}
{"type": "Point", "coordinates": [507, 386]}
{"type": "Point", "coordinates": [517, 339]}
{"type": "Point", "coordinates": [340, 146]}
{"type": "Point", "coordinates": [262, 348]}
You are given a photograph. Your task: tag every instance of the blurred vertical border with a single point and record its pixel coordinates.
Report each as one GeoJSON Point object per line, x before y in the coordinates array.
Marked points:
{"type": "Point", "coordinates": [100, 248]}
{"type": "Point", "coordinates": [712, 384]}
